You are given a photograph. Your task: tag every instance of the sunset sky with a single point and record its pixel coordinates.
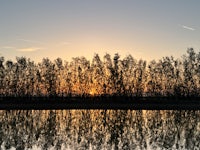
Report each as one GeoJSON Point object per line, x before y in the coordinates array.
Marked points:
{"type": "Point", "coordinates": [147, 29]}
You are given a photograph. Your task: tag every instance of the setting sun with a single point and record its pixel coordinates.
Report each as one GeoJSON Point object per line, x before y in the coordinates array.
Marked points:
{"type": "Point", "coordinates": [93, 92]}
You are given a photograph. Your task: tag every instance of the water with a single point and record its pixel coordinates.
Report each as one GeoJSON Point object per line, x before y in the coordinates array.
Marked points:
{"type": "Point", "coordinates": [99, 129]}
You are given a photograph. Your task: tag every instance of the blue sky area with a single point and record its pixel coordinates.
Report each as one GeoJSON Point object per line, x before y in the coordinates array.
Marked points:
{"type": "Point", "coordinates": [62, 28]}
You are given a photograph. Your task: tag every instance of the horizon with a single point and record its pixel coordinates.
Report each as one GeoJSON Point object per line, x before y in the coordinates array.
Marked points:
{"type": "Point", "coordinates": [121, 57]}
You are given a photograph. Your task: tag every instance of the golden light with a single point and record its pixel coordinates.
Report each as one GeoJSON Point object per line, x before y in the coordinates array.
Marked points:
{"type": "Point", "coordinates": [93, 92]}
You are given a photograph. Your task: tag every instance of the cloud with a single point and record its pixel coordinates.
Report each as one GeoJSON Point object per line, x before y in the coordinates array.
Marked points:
{"type": "Point", "coordinates": [29, 41]}
{"type": "Point", "coordinates": [64, 43]}
{"type": "Point", "coordinates": [7, 47]}
{"type": "Point", "coordinates": [188, 28]}
{"type": "Point", "coordinates": [30, 49]}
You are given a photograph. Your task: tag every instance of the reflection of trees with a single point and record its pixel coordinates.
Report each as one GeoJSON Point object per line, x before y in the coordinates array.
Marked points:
{"type": "Point", "coordinates": [14, 129]}
{"type": "Point", "coordinates": [192, 133]}
{"type": "Point", "coordinates": [50, 130]}
{"type": "Point", "coordinates": [100, 129]}
{"type": "Point", "coordinates": [114, 128]}
{"type": "Point", "coordinates": [139, 132]}
{"type": "Point", "coordinates": [84, 130]}
{"type": "Point", "coordinates": [109, 76]}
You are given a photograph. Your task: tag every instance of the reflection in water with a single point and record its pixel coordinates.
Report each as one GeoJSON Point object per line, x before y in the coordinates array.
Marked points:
{"type": "Point", "coordinates": [99, 129]}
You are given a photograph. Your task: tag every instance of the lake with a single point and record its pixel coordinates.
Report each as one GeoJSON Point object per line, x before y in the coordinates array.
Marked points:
{"type": "Point", "coordinates": [99, 129]}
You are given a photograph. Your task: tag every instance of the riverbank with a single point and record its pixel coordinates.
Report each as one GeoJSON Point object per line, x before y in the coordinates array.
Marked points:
{"type": "Point", "coordinates": [132, 103]}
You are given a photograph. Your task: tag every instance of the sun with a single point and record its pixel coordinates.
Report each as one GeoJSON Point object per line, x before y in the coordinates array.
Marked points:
{"type": "Point", "coordinates": [93, 92]}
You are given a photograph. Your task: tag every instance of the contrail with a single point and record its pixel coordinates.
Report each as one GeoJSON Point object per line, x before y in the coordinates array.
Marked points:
{"type": "Point", "coordinates": [188, 28]}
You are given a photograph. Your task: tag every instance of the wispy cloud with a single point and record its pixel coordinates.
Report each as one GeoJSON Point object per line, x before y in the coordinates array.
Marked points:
{"type": "Point", "coordinates": [188, 28]}
{"type": "Point", "coordinates": [7, 47]}
{"type": "Point", "coordinates": [64, 43]}
{"type": "Point", "coordinates": [29, 49]}
{"type": "Point", "coordinates": [29, 41]}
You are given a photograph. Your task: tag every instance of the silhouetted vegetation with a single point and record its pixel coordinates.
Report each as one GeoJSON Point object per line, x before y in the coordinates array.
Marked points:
{"type": "Point", "coordinates": [109, 76]}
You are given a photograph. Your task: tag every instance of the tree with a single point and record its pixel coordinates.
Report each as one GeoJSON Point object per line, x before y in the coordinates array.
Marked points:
{"type": "Point", "coordinates": [116, 76]}
{"type": "Point", "coordinates": [80, 69]}
{"type": "Point", "coordinates": [22, 76]}
{"type": "Point", "coordinates": [96, 74]}
{"type": "Point", "coordinates": [2, 75]}
{"type": "Point", "coordinates": [108, 69]}
{"type": "Point", "coordinates": [154, 79]}
{"type": "Point", "coordinates": [168, 77]}
{"type": "Point", "coordinates": [189, 65]}
{"type": "Point", "coordinates": [59, 71]}
{"type": "Point", "coordinates": [140, 78]}
{"type": "Point", "coordinates": [48, 77]}
{"type": "Point", "coordinates": [128, 67]}
{"type": "Point", "coordinates": [10, 80]}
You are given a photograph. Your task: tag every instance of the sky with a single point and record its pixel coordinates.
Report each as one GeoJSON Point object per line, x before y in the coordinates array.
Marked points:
{"type": "Point", "coordinates": [70, 28]}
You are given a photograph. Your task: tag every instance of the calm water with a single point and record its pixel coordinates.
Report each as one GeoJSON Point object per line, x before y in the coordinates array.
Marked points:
{"type": "Point", "coordinates": [99, 129]}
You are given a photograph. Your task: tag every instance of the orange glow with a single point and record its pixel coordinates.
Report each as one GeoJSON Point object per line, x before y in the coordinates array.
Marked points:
{"type": "Point", "coordinates": [93, 92]}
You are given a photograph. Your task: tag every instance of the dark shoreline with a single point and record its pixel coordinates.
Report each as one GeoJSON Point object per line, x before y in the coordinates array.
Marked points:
{"type": "Point", "coordinates": [114, 102]}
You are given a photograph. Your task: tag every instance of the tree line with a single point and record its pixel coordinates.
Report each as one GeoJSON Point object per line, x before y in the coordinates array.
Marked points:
{"type": "Point", "coordinates": [107, 76]}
